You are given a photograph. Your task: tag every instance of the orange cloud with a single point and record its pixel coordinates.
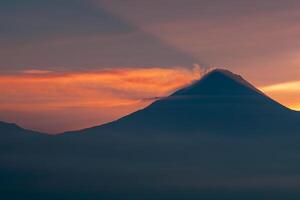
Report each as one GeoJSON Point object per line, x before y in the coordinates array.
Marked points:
{"type": "Point", "coordinates": [60, 101]}
{"type": "Point", "coordinates": [287, 93]}
{"type": "Point", "coordinates": [293, 86]}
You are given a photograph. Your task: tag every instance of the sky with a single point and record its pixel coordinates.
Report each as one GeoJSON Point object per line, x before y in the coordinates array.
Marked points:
{"type": "Point", "coordinates": [71, 64]}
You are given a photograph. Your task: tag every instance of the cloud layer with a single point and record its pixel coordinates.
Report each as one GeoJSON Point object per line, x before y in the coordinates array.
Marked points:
{"type": "Point", "coordinates": [55, 102]}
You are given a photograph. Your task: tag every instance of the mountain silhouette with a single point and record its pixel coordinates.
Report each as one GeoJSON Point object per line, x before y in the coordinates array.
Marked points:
{"type": "Point", "coordinates": [11, 127]}
{"type": "Point", "coordinates": [10, 130]}
{"type": "Point", "coordinates": [219, 102]}
{"type": "Point", "coordinates": [218, 138]}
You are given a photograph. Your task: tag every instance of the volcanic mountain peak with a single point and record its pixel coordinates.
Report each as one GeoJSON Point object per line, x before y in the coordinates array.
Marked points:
{"type": "Point", "coordinates": [230, 75]}
{"type": "Point", "coordinates": [219, 81]}
{"type": "Point", "coordinates": [220, 101]}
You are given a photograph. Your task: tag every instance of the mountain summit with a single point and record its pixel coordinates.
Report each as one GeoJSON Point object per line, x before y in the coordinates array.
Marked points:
{"type": "Point", "coordinates": [219, 81]}
{"type": "Point", "coordinates": [220, 101]}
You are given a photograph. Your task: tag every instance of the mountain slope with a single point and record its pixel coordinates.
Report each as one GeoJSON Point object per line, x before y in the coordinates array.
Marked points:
{"type": "Point", "coordinates": [13, 130]}
{"type": "Point", "coordinates": [17, 140]}
{"type": "Point", "coordinates": [219, 102]}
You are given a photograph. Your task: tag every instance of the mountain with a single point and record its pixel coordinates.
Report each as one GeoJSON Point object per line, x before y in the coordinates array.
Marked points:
{"type": "Point", "coordinates": [4, 126]}
{"type": "Point", "coordinates": [11, 130]}
{"type": "Point", "coordinates": [15, 139]}
{"type": "Point", "coordinates": [219, 102]}
{"type": "Point", "coordinates": [11, 127]}
{"type": "Point", "coordinates": [219, 138]}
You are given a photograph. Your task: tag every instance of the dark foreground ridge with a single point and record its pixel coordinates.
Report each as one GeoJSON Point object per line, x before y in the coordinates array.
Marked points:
{"type": "Point", "coordinates": [219, 138]}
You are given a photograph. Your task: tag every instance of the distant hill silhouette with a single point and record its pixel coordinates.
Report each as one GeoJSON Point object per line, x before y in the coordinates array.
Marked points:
{"type": "Point", "coordinates": [11, 134]}
{"type": "Point", "coordinates": [219, 138]}
{"type": "Point", "coordinates": [5, 126]}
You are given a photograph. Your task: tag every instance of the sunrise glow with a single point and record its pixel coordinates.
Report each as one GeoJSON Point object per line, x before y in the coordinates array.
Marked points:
{"type": "Point", "coordinates": [95, 97]}
{"type": "Point", "coordinates": [102, 95]}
